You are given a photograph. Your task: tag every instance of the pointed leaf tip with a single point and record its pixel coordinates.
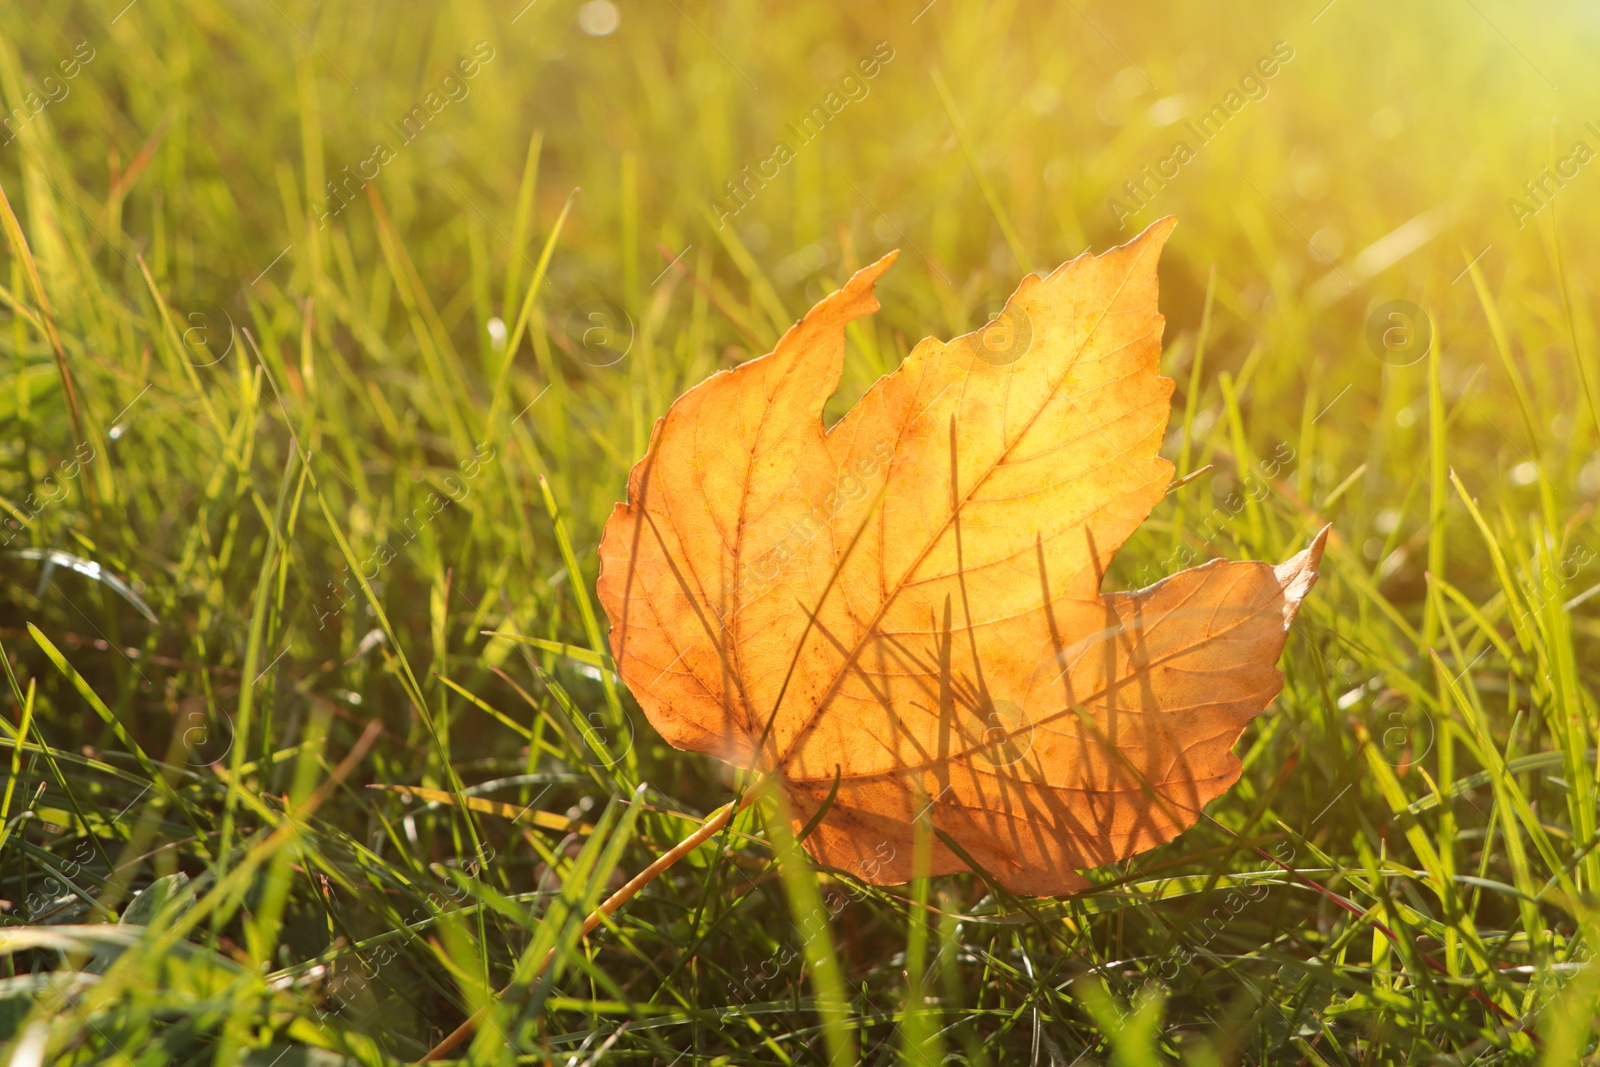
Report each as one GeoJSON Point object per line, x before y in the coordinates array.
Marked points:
{"type": "Point", "coordinates": [1158, 231]}
{"type": "Point", "coordinates": [1299, 573]}
{"type": "Point", "coordinates": [856, 297]}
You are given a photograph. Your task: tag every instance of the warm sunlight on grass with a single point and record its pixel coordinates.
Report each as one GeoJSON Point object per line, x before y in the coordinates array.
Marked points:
{"type": "Point", "coordinates": [330, 331]}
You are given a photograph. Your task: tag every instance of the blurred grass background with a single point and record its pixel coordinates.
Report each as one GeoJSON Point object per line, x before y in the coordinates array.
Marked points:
{"type": "Point", "coordinates": [306, 340]}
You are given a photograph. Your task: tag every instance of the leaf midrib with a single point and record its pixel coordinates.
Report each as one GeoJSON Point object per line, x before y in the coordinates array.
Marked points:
{"type": "Point", "coordinates": [834, 685]}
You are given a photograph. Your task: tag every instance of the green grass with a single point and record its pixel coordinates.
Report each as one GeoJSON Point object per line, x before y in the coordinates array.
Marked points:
{"type": "Point", "coordinates": [415, 391]}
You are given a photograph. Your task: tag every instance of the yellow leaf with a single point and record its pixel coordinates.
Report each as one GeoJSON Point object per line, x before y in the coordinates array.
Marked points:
{"type": "Point", "coordinates": [910, 601]}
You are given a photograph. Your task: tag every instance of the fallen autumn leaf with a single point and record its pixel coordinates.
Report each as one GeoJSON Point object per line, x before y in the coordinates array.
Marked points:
{"type": "Point", "coordinates": [905, 611]}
